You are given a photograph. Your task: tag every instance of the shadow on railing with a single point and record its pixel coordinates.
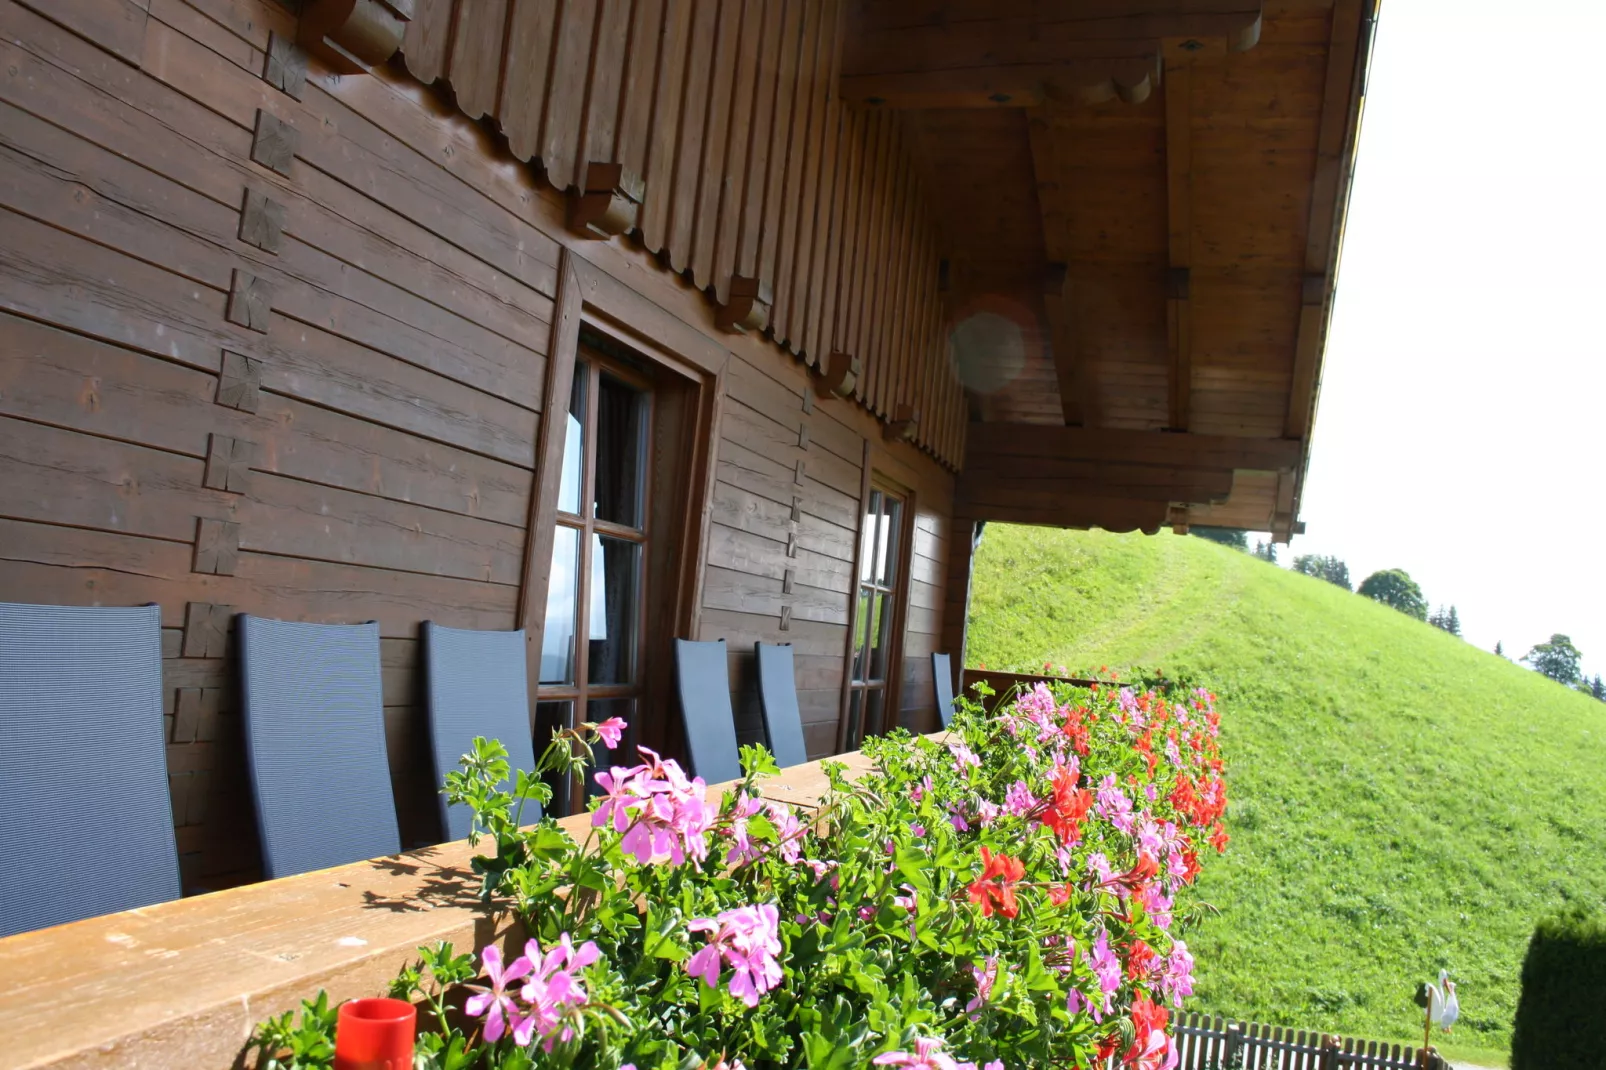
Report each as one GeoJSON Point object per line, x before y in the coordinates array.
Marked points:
{"type": "Point", "coordinates": [1215, 1043]}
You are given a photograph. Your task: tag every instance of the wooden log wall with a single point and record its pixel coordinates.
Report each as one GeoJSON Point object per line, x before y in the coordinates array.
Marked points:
{"type": "Point", "coordinates": [724, 114]}
{"type": "Point", "coordinates": [280, 349]}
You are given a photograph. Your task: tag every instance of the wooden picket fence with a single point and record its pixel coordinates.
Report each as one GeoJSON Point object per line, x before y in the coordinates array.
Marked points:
{"type": "Point", "coordinates": [1215, 1043]}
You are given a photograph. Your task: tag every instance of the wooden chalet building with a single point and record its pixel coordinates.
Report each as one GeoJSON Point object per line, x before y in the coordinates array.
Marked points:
{"type": "Point", "coordinates": [635, 319]}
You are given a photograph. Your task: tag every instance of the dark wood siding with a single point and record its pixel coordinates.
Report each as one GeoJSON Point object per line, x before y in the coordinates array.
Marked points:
{"type": "Point", "coordinates": [370, 454]}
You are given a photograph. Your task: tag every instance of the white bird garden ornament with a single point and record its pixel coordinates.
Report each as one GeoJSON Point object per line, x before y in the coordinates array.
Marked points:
{"type": "Point", "coordinates": [1443, 1006]}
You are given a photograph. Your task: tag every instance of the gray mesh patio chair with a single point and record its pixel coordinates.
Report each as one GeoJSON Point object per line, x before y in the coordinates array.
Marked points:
{"type": "Point", "coordinates": [943, 674]}
{"type": "Point", "coordinates": [702, 676]}
{"type": "Point", "coordinates": [315, 743]}
{"type": "Point", "coordinates": [777, 694]}
{"type": "Point", "coordinates": [477, 686]}
{"type": "Point", "coordinates": [86, 826]}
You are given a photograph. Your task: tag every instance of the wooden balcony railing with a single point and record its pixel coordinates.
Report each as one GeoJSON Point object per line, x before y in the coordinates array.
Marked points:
{"type": "Point", "coordinates": [183, 984]}
{"type": "Point", "coordinates": [1004, 684]}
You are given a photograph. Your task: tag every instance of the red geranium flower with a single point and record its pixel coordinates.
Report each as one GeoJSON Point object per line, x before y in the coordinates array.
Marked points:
{"type": "Point", "coordinates": [1067, 807]}
{"type": "Point", "coordinates": [1140, 959]}
{"type": "Point", "coordinates": [994, 890]}
{"type": "Point", "coordinates": [1219, 837]}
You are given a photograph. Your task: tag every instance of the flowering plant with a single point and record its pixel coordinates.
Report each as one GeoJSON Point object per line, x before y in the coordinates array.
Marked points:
{"type": "Point", "coordinates": [1005, 894]}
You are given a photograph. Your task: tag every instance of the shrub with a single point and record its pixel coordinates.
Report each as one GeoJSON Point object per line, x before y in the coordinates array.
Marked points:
{"type": "Point", "coordinates": [1012, 895]}
{"type": "Point", "coordinates": [1561, 1014]}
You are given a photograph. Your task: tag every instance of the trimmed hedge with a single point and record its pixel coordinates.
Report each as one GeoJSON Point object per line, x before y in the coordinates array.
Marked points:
{"type": "Point", "coordinates": [1561, 1015]}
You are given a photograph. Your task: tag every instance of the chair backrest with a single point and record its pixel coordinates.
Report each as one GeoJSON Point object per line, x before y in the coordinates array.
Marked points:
{"type": "Point", "coordinates": [86, 827]}
{"type": "Point", "coordinates": [777, 693]}
{"type": "Point", "coordinates": [702, 676]}
{"type": "Point", "coordinates": [942, 671]}
{"type": "Point", "coordinates": [315, 743]}
{"type": "Point", "coordinates": [477, 686]}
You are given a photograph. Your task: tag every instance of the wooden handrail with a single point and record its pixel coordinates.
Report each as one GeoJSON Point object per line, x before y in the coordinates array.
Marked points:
{"type": "Point", "coordinates": [183, 984]}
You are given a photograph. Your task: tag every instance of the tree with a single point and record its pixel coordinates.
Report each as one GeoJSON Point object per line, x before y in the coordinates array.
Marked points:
{"type": "Point", "coordinates": [1266, 551]}
{"type": "Point", "coordinates": [1598, 689]}
{"type": "Point", "coordinates": [1395, 587]}
{"type": "Point", "coordinates": [1454, 623]}
{"type": "Point", "coordinates": [1557, 659]}
{"type": "Point", "coordinates": [1238, 540]}
{"type": "Point", "coordinates": [1330, 569]}
{"type": "Point", "coordinates": [1499, 648]}
{"type": "Point", "coordinates": [1446, 619]}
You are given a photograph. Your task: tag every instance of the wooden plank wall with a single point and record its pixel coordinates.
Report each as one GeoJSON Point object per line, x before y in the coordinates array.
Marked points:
{"type": "Point", "coordinates": [284, 354]}
{"type": "Point", "coordinates": [728, 113]}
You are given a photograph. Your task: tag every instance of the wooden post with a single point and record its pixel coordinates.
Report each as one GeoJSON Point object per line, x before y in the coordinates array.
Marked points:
{"type": "Point", "coordinates": [1329, 1058]}
{"type": "Point", "coordinates": [1232, 1057]}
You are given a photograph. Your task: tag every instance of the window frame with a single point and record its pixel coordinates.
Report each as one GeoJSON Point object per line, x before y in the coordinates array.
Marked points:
{"type": "Point", "coordinates": [582, 691]}
{"type": "Point", "coordinates": [849, 735]}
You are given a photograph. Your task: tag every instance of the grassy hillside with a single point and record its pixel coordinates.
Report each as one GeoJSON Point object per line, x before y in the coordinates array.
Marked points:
{"type": "Point", "coordinates": [1402, 800]}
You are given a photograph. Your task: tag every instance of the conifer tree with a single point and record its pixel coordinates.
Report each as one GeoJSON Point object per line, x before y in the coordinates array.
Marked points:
{"type": "Point", "coordinates": [1499, 648]}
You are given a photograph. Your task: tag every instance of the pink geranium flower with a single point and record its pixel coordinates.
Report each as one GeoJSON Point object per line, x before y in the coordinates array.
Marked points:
{"type": "Point", "coordinates": [495, 1004]}
{"type": "Point", "coordinates": [747, 939]}
{"type": "Point", "coordinates": [664, 816]}
{"type": "Point", "coordinates": [612, 731]}
{"type": "Point", "coordinates": [926, 1056]}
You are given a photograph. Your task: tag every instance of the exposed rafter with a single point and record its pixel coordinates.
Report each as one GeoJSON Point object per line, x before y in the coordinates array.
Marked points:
{"type": "Point", "coordinates": [1078, 403]}
{"type": "Point", "coordinates": [1083, 81]}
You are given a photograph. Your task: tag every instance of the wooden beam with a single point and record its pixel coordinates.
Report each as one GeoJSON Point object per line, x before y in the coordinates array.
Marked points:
{"type": "Point", "coordinates": [1111, 514]}
{"type": "Point", "coordinates": [1037, 484]}
{"type": "Point", "coordinates": [1084, 81]}
{"type": "Point", "coordinates": [989, 443]}
{"type": "Point", "coordinates": [1179, 213]}
{"type": "Point", "coordinates": [979, 35]}
{"type": "Point", "coordinates": [1078, 403]}
{"type": "Point", "coordinates": [1349, 47]}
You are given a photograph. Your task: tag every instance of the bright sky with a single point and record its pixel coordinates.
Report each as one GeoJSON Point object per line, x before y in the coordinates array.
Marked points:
{"type": "Point", "coordinates": [1463, 403]}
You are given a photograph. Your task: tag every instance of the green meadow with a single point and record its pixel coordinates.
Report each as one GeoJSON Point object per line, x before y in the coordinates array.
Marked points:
{"type": "Point", "coordinates": [1401, 800]}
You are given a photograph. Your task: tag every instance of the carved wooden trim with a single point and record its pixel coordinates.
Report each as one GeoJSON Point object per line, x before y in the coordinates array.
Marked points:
{"type": "Point", "coordinates": [274, 143]}
{"type": "Point", "coordinates": [786, 618]}
{"type": "Point", "coordinates": [239, 383]}
{"type": "Point", "coordinates": [261, 221]}
{"type": "Point", "coordinates": [250, 301]}
{"type": "Point", "coordinates": [801, 472]}
{"type": "Point", "coordinates": [228, 463]}
{"type": "Point", "coordinates": [352, 36]}
{"type": "Point", "coordinates": [905, 424]}
{"type": "Point", "coordinates": [788, 581]}
{"type": "Point", "coordinates": [217, 546]}
{"type": "Point", "coordinates": [749, 306]}
{"type": "Point", "coordinates": [1176, 518]}
{"type": "Point", "coordinates": [285, 68]}
{"type": "Point", "coordinates": [797, 508]}
{"type": "Point", "coordinates": [841, 373]}
{"type": "Point", "coordinates": [206, 629]}
{"type": "Point", "coordinates": [808, 401]}
{"type": "Point", "coordinates": [791, 544]}
{"type": "Point", "coordinates": [608, 202]}
{"type": "Point", "coordinates": [803, 437]}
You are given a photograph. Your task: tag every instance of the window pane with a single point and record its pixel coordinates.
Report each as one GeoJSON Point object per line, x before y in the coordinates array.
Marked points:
{"type": "Point", "coordinates": [860, 647]}
{"type": "Point", "coordinates": [613, 606]}
{"type": "Point", "coordinates": [855, 707]}
{"type": "Point", "coordinates": [874, 701]}
{"type": "Point", "coordinates": [574, 455]}
{"type": "Point", "coordinates": [868, 537]}
{"type": "Point", "coordinates": [557, 636]}
{"type": "Point", "coordinates": [621, 456]}
{"type": "Point", "coordinates": [887, 550]}
{"type": "Point", "coordinates": [880, 636]}
{"type": "Point", "coordinates": [553, 717]}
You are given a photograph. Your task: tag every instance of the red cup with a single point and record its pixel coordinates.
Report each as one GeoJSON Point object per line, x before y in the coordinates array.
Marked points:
{"type": "Point", "coordinates": [375, 1034]}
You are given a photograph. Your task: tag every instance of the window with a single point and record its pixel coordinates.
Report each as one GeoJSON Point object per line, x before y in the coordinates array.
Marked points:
{"type": "Point", "coordinates": [871, 656]}
{"type": "Point", "coordinates": [591, 664]}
